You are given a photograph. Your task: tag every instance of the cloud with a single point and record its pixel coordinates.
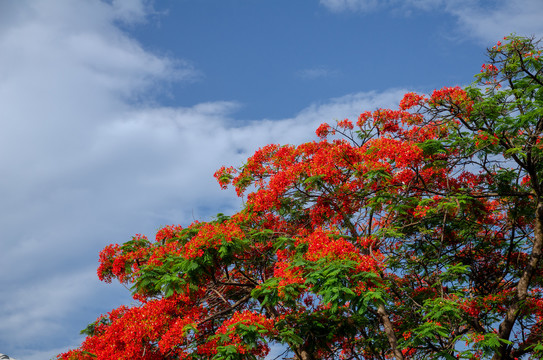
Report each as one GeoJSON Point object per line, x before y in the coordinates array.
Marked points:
{"type": "Point", "coordinates": [318, 72]}
{"type": "Point", "coordinates": [144, 168]}
{"type": "Point", "coordinates": [351, 5]}
{"type": "Point", "coordinates": [426, 4]}
{"type": "Point", "coordinates": [483, 21]}
{"type": "Point", "coordinates": [86, 162]}
{"type": "Point", "coordinates": [130, 11]}
{"type": "Point", "coordinates": [489, 24]}
{"type": "Point", "coordinates": [367, 6]}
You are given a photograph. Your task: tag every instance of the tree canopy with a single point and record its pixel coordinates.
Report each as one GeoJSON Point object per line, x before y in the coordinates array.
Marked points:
{"type": "Point", "coordinates": [408, 233]}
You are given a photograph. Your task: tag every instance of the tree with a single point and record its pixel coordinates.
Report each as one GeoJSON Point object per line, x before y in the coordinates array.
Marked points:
{"type": "Point", "coordinates": [413, 233]}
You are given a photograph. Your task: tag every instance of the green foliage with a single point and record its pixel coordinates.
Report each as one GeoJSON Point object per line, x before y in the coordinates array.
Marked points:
{"type": "Point", "coordinates": [421, 238]}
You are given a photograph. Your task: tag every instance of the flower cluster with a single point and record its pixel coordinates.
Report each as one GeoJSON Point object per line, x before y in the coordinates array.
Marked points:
{"type": "Point", "coordinates": [454, 99]}
{"type": "Point", "coordinates": [411, 100]}
{"type": "Point", "coordinates": [244, 331]}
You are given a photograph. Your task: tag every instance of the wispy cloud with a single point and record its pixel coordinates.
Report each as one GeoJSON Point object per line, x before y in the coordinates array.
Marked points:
{"type": "Point", "coordinates": [367, 6]}
{"type": "Point", "coordinates": [490, 24]}
{"type": "Point", "coordinates": [131, 11]}
{"type": "Point", "coordinates": [317, 72]}
{"type": "Point", "coordinates": [351, 5]}
{"type": "Point", "coordinates": [479, 20]}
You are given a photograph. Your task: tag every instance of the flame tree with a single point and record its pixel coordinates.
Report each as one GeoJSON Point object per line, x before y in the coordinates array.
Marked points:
{"type": "Point", "coordinates": [410, 233]}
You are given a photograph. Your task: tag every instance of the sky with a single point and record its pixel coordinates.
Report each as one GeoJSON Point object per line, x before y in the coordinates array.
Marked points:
{"type": "Point", "coordinates": [115, 114]}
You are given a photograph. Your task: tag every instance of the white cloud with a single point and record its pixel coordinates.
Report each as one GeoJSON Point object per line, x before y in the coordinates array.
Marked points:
{"type": "Point", "coordinates": [318, 72]}
{"type": "Point", "coordinates": [351, 5]}
{"type": "Point", "coordinates": [366, 6]}
{"type": "Point", "coordinates": [481, 20]}
{"type": "Point", "coordinates": [131, 11]}
{"type": "Point", "coordinates": [426, 4]}
{"type": "Point", "coordinates": [39, 308]}
{"type": "Point", "coordinates": [490, 24]}
{"type": "Point", "coordinates": [142, 169]}
{"type": "Point", "coordinates": [84, 164]}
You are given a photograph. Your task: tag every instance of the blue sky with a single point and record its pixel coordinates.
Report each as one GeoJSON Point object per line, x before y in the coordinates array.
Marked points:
{"type": "Point", "coordinates": [115, 114]}
{"type": "Point", "coordinates": [274, 57]}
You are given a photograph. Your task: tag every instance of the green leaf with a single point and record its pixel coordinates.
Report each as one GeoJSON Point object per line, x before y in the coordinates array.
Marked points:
{"type": "Point", "coordinates": [313, 179]}
{"type": "Point", "coordinates": [431, 147]}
